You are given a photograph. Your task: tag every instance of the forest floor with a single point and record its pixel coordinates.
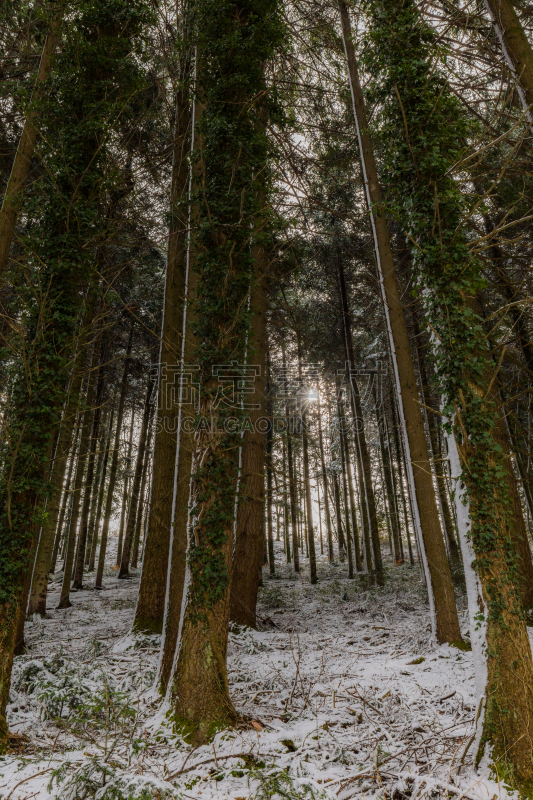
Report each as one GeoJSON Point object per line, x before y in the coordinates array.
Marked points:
{"type": "Point", "coordinates": [349, 694]}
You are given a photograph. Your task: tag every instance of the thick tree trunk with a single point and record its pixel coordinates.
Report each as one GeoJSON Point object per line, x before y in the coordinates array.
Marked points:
{"type": "Point", "coordinates": [136, 484]}
{"type": "Point", "coordinates": [438, 574]}
{"type": "Point", "coordinates": [150, 609]}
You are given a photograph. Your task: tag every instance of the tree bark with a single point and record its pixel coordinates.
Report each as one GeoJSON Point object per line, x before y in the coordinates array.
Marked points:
{"type": "Point", "coordinates": [21, 165]}
{"type": "Point", "coordinates": [438, 573]}
{"type": "Point", "coordinates": [515, 45]}
{"type": "Point", "coordinates": [150, 610]}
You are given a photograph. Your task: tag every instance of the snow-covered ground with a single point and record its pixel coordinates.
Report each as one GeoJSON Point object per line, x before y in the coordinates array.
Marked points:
{"type": "Point", "coordinates": [349, 697]}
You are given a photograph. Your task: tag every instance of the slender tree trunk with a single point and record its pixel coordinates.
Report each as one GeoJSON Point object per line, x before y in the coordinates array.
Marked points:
{"type": "Point", "coordinates": [64, 600]}
{"type": "Point", "coordinates": [388, 480]}
{"type": "Point", "coordinates": [101, 492]}
{"type": "Point", "coordinates": [292, 486]}
{"type": "Point", "coordinates": [310, 533]}
{"type": "Point", "coordinates": [141, 509]}
{"type": "Point", "coordinates": [340, 533]}
{"type": "Point", "coordinates": [269, 437]}
{"type": "Point", "coordinates": [343, 454]}
{"type": "Point", "coordinates": [436, 567]}
{"type": "Point", "coordinates": [66, 495]}
{"type": "Point", "coordinates": [95, 494]}
{"type": "Point", "coordinates": [350, 485]}
{"type": "Point", "coordinates": [286, 504]}
{"type": "Point", "coordinates": [45, 552]}
{"type": "Point", "coordinates": [126, 496]}
{"type": "Point", "coordinates": [325, 479]}
{"type": "Point", "coordinates": [114, 464]}
{"type": "Point", "coordinates": [150, 610]}
{"type": "Point", "coordinates": [136, 484]}
{"type": "Point", "coordinates": [249, 531]}
{"type": "Point", "coordinates": [21, 165]}
{"type": "Point", "coordinates": [364, 462]}
{"type": "Point", "coordinates": [89, 488]}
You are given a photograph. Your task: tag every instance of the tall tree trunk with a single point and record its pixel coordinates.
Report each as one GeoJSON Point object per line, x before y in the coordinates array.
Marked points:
{"type": "Point", "coordinates": [289, 420]}
{"type": "Point", "coordinates": [114, 464]}
{"type": "Point", "coordinates": [101, 492]}
{"type": "Point", "coordinates": [438, 466]}
{"type": "Point", "coordinates": [126, 496]}
{"type": "Point", "coordinates": [388, 480]}
{"type": "Point", "coordinates": [343, 454]}
{"type": "Point", "coordinates": [269, 490]}
{"type": "Point", "coordinates": [310, 532]}
{"type": "Point", "coordinates": [64, 600]}
{"type": "Point", "coordinates": [436, 567]}
{"type": "Point", "coordinates": [231, 218]}
{"type": "Point", "coordinates": [340, 532]}
{"type": "Point", "coordinates": [45, 553]}
{"type": "Point", "coordinates": [286, 504]}
{"type": "Point", "coordinates": [89, 488]}
{"type": "Point", "coordinates": [249, 532]}
{"type": "Point", "coordinates": [325, 479]}
{"type": "Point", "coordinates": [350, 486]}
{"type": "Point", "coordinates": [21, 165]}
{"type": "Point", "coordinates": [136, 484]}
{"type": "Point", "coordinates": [150, 610]}
{"type": "Point", "coordinates": [364, 463]}
{"type": "Point", "coordinates": [141, 511]}
{"type": "Point", "coordinates": [66, 495]}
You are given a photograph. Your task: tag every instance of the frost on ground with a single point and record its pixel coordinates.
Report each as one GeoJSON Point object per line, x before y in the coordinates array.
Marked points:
{"type": "Point", "coordinates": [348, 694]}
